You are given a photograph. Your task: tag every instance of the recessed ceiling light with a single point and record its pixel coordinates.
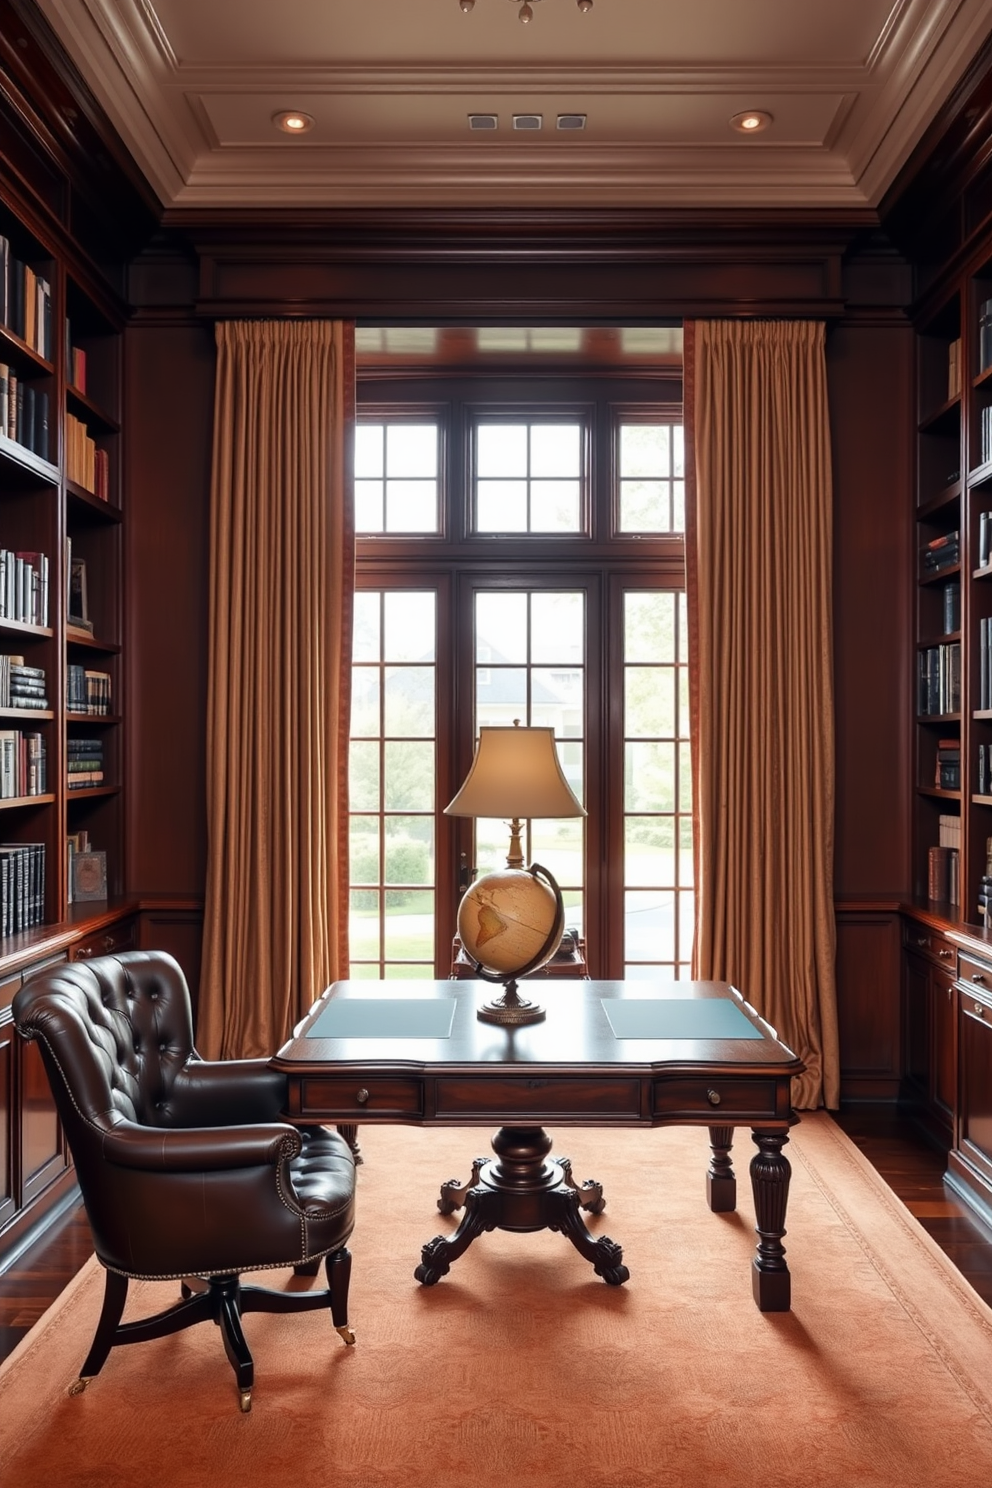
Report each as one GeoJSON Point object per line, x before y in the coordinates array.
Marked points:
{"type": "Point", "coordinates": [483, 121]}
{"type": "Point", "coordinates": [571, 121]}
{"type": "Point", "coordinates": [293, 121]}
{"type": "Point", "coordinates": [751, 121]}
{"type": "Point", "coordinates": [528, 121]}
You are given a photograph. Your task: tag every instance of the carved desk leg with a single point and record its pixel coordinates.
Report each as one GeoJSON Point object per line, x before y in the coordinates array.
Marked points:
{"type": "Point", "coordinates": [604, 1254]}
{"type": "Point", "coordinates": [482, 1212]}
{"type": "Point", "coordinates": [770, 1174]}
{"type": "Point", "coordinates": [453, 1193]}
{"type": "Point", "coordinates": [721, 1184]}
{"type": "Point", "coordinates": [589, 1191]}
{"type": "Point", "coordinates": [349, 1130]}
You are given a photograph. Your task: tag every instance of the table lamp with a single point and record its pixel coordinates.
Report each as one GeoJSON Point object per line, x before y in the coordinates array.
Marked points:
{"type": "Point", "coordinates": [510, 922]}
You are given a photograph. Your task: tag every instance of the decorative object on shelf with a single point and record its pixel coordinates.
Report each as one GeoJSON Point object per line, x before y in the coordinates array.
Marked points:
{"type": "Point", "coordinates": [525, 14]}
{"type": "Point", "coordinates": [89, 876]}
{"type": "Point", "coordinates": [511, 921]}
{"type": "Point", "coordinates": [79, 610]}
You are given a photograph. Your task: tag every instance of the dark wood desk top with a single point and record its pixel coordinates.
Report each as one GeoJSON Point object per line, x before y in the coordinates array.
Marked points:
{"type": "Point", "coordinates": [570, 1068]}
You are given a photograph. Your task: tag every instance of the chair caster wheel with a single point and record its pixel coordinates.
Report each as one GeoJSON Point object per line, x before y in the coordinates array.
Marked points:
{"type": "Point", "coordinates": [77, 1387]}
{"type": "Point", "coordinates": [244, 1400]}
{"type": "Point", "coordinates": [346, 1334]}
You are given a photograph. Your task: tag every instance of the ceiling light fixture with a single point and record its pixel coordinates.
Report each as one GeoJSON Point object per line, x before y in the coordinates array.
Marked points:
{"type": "Point", "coordinates": [751, 121]}
{"type": "Point", "coordinates": [525, 14]}
{"type": "Point", "coordinates": [293, 121]}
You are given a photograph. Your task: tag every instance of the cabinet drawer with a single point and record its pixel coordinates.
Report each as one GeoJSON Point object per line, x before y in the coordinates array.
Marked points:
{"type": "Point", "coordinates": [975, 975]}
{"type": "Point", "coordinates": [538, 1097]}
{"type": "Point", "coordinates": [106, 942]}
{"type": "Point", "coordinates": [719, 1099]}
{"type": "Point", "coordinates": [929, 943]}
{"type": "Point", "coordinates": [344, 1099]}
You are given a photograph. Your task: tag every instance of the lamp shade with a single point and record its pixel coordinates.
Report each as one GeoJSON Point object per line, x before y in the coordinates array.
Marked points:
{"type": "Point", "coordinates": [515, 773]}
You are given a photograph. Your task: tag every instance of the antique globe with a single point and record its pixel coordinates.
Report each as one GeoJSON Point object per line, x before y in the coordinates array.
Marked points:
{"type": "Point", "coordinates": [510, 923]}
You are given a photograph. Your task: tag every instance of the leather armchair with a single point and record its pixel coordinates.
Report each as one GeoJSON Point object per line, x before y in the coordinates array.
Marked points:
{"type": "Point", "coordinates": [186, 1168]}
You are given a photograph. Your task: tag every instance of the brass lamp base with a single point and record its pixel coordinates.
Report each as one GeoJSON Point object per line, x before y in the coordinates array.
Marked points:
{"type": "Point", "coordinates": [510, 1010]}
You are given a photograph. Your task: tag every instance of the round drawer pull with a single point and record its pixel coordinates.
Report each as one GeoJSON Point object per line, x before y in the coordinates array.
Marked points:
{"type": "Point", "coordinates": [979, 1010]}
{"type": "Point", "coordinates": [713, 1096]}
{"type": "Point", "coordinates": [362, 1096]}
{"type": "Point", "coordinates": [978, 977]}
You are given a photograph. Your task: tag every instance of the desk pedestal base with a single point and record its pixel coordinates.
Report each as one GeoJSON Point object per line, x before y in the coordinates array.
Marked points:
{"type": "Point", "coordinates": [522, 1190]}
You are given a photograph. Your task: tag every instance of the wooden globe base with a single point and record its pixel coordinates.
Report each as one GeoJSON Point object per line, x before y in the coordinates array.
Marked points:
{"type": "Point", "coordinates": [510, 1010]}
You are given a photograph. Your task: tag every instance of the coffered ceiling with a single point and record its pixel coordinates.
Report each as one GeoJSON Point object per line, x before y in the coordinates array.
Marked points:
{"type": "Point", "coordinates": [193, 85]}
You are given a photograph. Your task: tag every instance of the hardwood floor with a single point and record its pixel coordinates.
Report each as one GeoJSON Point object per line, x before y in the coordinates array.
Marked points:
{"type": "Point", "coordinates": [912, 1169]}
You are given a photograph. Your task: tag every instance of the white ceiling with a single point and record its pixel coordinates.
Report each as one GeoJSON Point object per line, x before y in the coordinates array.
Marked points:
{"type": "Point", "coordinates": [192, 86]}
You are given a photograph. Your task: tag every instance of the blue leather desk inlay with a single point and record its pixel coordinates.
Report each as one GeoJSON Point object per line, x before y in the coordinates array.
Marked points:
{"type": "Point", "coordinates": [385, 1017]}
{"type": "Point", "coordinates": [678, 1018]}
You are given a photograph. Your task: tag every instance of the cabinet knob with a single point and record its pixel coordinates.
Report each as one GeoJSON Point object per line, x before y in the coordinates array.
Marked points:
{"type": "Point", "coordinates": [362, 1096]}
{"type": "Point", "coordinates": [923, 940]}
{"type": "Point", "coordinates": [945, 954]}
{"type": "Point", "coordinates": [979, 1010]}
{"type": "Point", "coordinates": [977, 976]}
{"type": "Point", "coordinates": [714, 1097]}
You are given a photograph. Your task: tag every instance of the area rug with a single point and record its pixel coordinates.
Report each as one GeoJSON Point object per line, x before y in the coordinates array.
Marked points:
{"type": "Point", "coordinates": [521, 1369]}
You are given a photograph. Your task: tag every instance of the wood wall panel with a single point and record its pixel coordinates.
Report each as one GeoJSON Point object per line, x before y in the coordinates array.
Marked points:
{"type": "Point", "coordinates": [169, 372]}
{"type": "Point", "coordinates": [868, 957]}
{"type": "Point", "coordinates": [870, 372]}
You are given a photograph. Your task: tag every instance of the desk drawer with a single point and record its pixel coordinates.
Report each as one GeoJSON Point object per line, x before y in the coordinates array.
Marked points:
{"type": "Point", "coordinates": [538, 1098]}
{"type": "Point", "coordinates": [975, 975]}
{"type": "Point", "coordinates": [351, 1099]}
{"type": "Point", "coordinates": [720, 1098]}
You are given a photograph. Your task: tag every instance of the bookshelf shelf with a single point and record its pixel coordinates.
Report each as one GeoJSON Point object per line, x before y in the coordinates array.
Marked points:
{"type": "Point", "coordinates": [937, 793]}
{"type": "Point", "coordinates": [9, 803]}
{"type": "Point", "coordinates": [938, 503]}
{"type": "Point", "coordinates": [61, 353]}
{"type": "Point", "coordinates": [942, 419]}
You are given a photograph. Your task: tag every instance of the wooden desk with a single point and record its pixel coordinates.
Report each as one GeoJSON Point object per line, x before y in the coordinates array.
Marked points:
{"type": "Point", "coordinates": [573, 1070]}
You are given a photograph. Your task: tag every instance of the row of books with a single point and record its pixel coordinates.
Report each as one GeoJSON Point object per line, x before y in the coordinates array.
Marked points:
{"type": "Point", "coordinates": [86, 465]}
{"type": "Point", "coordinates": [21, 686]}
{"type": "Point", "coordinates": [24, 587]}
{"type": "Point", "coordinates": [952, 607]}
{"type": "Point", "coordinates": [25, 302]}
{"type": "Point", "coordinates": [985, 663]}
{"type": "Point", "coordinates": [944, 862]}
{"type": "Point", "coordinates": [84, 763]}
{"type": "Point", "coordinates": [87, 691]}
{"type": "Point", "coordinates": [23, 412]}
{"type": "Point", "coordinates": [22, 886]}
{"type": "Point", "coordinates": [985, 435]}
{"type": "Point", "coordinates": [23, 764]}
{"type": "Point", "coordinates": [939, 679]}
{"type": "Point", "coordinates": [985, 335]}
{"type": "Point", "coordinates": [940, 553]}
{"type": "Point", "coordinates": [948, 771]}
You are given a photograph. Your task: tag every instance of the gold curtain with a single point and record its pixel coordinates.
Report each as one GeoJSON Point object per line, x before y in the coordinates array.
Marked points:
{"type": "Point", "coordinates": [281, 596]}
{"type": "Point", "coordinates": [759, 574]}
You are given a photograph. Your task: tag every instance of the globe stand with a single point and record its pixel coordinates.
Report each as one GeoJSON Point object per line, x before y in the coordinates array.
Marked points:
{"type": "Point", "coordinates": [511, 1010]}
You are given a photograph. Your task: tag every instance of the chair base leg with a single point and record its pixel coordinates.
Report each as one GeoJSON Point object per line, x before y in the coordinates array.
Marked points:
{"type": "Point", "coordinates": [221, 1300]}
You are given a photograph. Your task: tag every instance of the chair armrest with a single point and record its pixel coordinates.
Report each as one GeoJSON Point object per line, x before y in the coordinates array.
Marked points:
{"type": "Point", "coordinates": [199, 1149]}
{"type": "Point", "coordinates": [229, 1092]}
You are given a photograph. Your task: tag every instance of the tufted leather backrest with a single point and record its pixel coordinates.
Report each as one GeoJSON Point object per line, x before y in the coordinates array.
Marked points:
{"type": "Point", "coordinates": [119, 1031]}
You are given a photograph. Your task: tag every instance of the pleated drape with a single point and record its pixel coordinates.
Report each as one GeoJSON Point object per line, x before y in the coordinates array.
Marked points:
{"type": "Point", "coordinates": [281, 594]}
{"type": "Point", "coordinates": [759, 573]}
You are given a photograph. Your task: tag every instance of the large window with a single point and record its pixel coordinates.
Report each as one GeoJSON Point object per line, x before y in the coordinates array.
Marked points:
{"type": "Point", "coordinates": [521, 558]}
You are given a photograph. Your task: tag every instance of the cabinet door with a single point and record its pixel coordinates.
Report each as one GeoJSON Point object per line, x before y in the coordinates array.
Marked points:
{"type": "Point", "coordinates": [944, 1047]}
{"type": "Point", "coordinates": [976, 1082]}
{"type": "Point", "coordinates": [42, 1147]}
{"type": "Point", "coordinates": [8, 1180]}
{"type": "Point", "coordinates": [916, 985]}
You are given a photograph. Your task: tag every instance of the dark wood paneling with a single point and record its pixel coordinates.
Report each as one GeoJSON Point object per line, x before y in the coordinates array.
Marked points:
{"type": "Point", "coordinates": [868, 951]}
{"type": "Point", "coordinates": [871, 402]}
{"type": "Point", "coordinates": [180, 932]}
{"type": "Point", "coordinates": [169, 419]}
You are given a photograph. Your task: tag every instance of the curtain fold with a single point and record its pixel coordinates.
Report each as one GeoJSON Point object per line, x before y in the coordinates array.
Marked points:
{"type": "Point", "coordinates": [281, 599]}
{"type": "Point", "coordinates": [759, 574]}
